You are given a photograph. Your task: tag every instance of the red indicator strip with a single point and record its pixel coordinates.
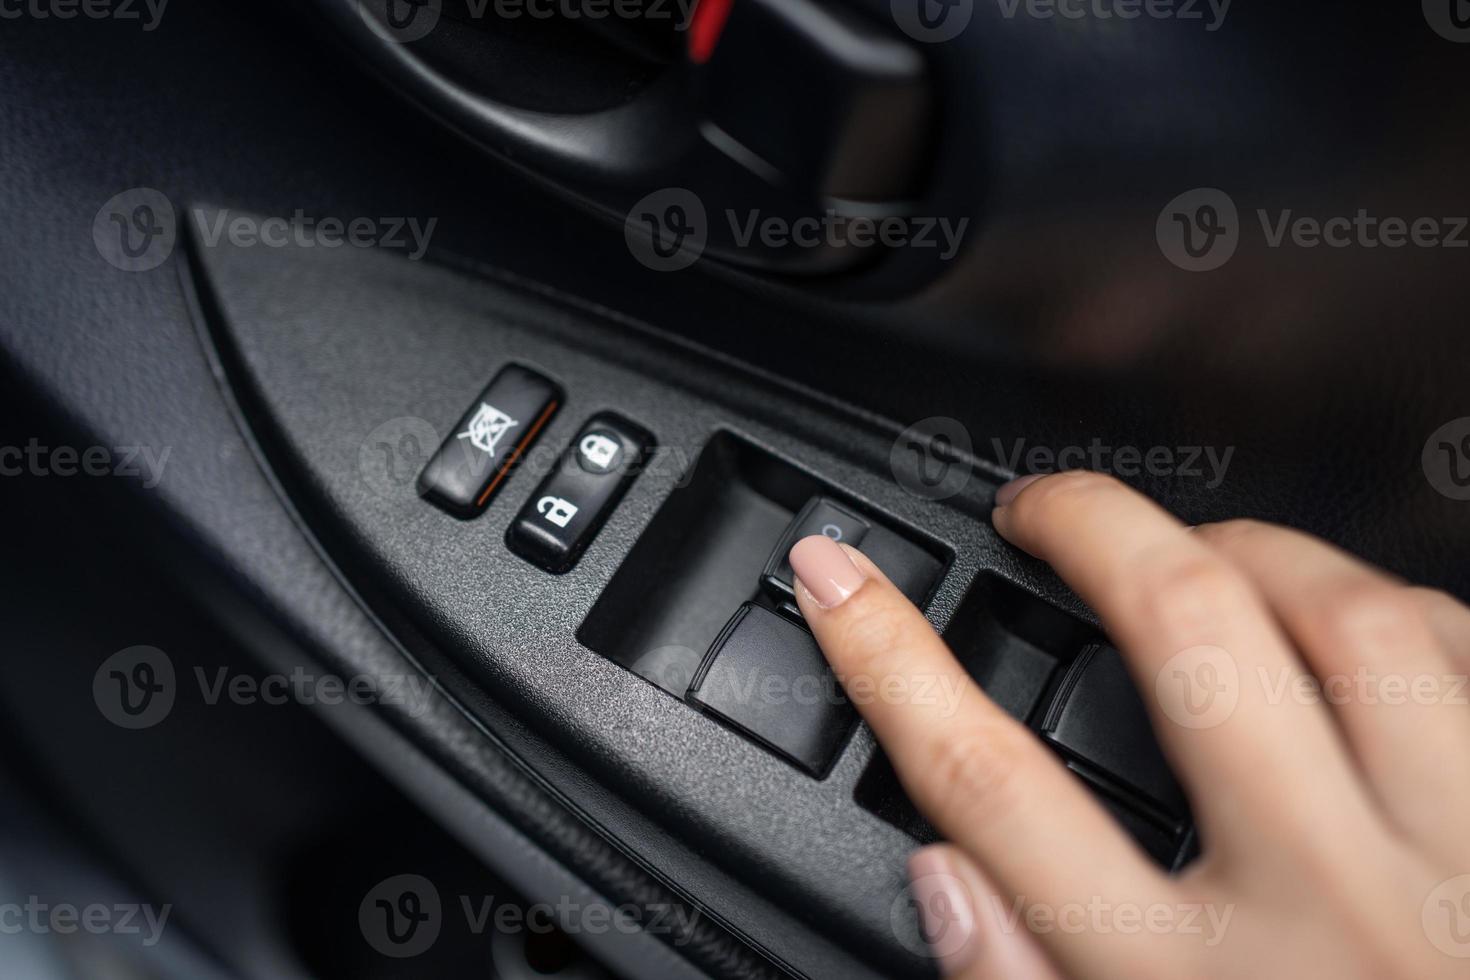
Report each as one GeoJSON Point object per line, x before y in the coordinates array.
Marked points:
{"type": "Point", "coordinates": [706, 27]}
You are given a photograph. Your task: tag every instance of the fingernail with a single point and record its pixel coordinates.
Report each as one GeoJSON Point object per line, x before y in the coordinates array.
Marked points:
{"type": "Point", "coordinates": [825, 570]}
{"type": "Point", "coordinates": [946, 910]}
{"type": "Point", "coordinates": [1008, 491]}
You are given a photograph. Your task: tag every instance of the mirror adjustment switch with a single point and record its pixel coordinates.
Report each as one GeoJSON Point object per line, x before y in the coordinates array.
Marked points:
{"type": "Point", "coordinates": [493, 435]}
{"type": "Point", "coordinates": [1097, 716]}
{"type": "Point", "coordinates": [565, 513]}
{"type": "Point", "coordinates": [819, 516]}
{"type": "Point", "coordinates": [766, 677]}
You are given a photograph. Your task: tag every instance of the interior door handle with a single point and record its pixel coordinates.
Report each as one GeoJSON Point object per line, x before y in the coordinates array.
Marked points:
{"type": "Point", "coordinates": [783, 109]}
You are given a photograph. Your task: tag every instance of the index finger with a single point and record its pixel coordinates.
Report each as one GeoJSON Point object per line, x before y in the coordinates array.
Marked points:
{"type": "Point", "coordinates": [1174, 605]}
{"type": "Point", "coordinates": [984, 780]}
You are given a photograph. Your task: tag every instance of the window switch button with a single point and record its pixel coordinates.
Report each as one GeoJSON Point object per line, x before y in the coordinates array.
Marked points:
{"type": "Point", "coordinates": [1098, 716]}
{"type": "Point", "coordinates": [493, 435]}
{"type": "Point", "coordinates": [766, 677]}
{"type": "Point", "coordinates": [819, 516]}
{"type": "Point", "coordinates": [565, 513]}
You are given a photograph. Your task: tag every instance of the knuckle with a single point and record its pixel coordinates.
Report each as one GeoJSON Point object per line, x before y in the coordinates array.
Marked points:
{"type": "Point", "coordinates": [1196, 592]}
{"type": "Point", "coordinates": [1370, 615]}
{"type": "Point", "coordinates": [870, 635]}
{"type": "Point", "coordinates": [1071, 489]}
{"type": "Point", "coordinates": [1236, 532]}
{"type": "Point", "coordinates": [978, 772]}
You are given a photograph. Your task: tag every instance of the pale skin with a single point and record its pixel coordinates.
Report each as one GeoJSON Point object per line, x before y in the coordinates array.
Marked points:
{"type": "Point", "coordinates": [1335, 829]}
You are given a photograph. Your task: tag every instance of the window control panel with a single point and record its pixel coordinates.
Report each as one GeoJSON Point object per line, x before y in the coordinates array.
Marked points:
{"type": "Point", "coordinates": [491, 438]}
{"type": "Point", "coordinates": [565, 513]}
{"type": "Point", "coordinates": [765, 676]}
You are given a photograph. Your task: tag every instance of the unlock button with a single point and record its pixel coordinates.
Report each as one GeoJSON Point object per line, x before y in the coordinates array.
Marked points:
{"type": "Point", "coordinates": [565, 513]}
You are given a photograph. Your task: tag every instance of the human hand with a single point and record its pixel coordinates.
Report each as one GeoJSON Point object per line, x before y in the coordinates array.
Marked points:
{"type": "Point", "coordinates": [1335, 828]}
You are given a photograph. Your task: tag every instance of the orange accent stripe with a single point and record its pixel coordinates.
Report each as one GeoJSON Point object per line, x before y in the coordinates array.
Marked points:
{"type": "Point", "coordinates": [515, 455]}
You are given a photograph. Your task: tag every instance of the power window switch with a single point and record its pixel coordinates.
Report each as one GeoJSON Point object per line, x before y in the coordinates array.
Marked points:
{"type": "Point", "coordinates": [766, 677]}
{"type": "Point", "coordinates": [491, 438]}
{"type": "Point", "coordinates": [565, 513]}
{"type": "Point", "coordinates": [1098, 716]}
{"type": "Point", "coordinates": [819, 516]}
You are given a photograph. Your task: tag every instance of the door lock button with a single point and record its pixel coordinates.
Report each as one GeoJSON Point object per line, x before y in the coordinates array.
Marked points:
{"type": "Point", "coordinates": [565, 513]}
{"type": "Point", "coordinates": [491, 438]}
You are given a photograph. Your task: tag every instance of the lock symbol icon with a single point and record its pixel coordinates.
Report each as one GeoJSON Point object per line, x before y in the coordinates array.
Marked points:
{"type": "Point", "coordinates": [556, 510]}
{"type": "Point", "coordinates": [598, 451]}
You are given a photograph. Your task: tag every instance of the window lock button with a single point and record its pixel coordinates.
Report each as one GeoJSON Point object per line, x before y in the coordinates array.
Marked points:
{"type": "Point", "coordinates": [491, 438]}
